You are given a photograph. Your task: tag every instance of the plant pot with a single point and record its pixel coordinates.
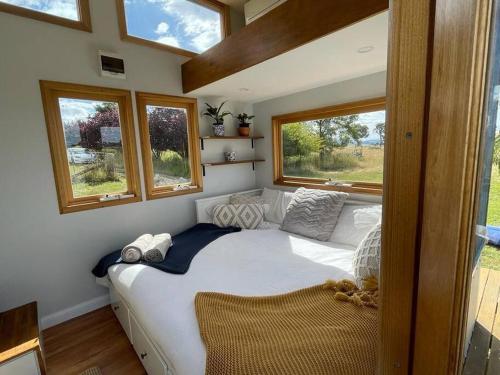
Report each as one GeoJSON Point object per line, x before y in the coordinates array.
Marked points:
{"type": "Point", "coordinates": [244, 131]}
{"type": "Point", "coordinates": [218, 130]}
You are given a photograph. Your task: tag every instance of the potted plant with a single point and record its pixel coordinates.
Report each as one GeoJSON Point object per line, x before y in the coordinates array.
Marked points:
{"type": "Point", "coordinates": [244, 125]}
{"type": "Point", "coordinates": [218, 117]}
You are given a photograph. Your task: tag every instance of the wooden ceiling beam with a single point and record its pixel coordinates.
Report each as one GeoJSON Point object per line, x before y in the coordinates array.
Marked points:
{"type": "Point", "coordinates": [290, 25]}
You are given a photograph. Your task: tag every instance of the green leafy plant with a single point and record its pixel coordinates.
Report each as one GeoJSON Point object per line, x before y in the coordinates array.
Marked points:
{"type": "Point", "coordinates": [215, 113]}
{"type": "Point", "coordinates": [244, 120]}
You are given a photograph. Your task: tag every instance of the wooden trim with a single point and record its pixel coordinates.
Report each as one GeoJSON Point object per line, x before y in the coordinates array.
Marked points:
{"type": "Point", "coordinates": [190, 104]}
{"type": "Point", "coordinates": [451, 175]}
{"type": "Point", "coordinates": [362, 106]}
{"type": "Point", "coordinates": [84, 23]}
{"type": "Point", "coordinates": [223, 9]}
{"type": "Point", "coordinates": [286, 27]}
{"type": "Point", "coordinates": [51, 92]}
{"type": "Point", "coordinates": [407, 86]}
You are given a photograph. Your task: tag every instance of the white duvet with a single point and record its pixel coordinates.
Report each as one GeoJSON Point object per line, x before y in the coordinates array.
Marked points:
{"type": "Point", "coordinates": [248, 263]}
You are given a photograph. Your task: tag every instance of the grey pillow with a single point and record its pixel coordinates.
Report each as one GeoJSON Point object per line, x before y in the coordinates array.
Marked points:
{"type": "Point", "coordinates": [246, 216]}
{"type": "Point", "coordinates": [313, 213]}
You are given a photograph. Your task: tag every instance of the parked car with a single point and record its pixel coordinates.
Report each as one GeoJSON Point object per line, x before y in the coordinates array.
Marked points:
{"type": "Point", "coordinates": [81, 156]}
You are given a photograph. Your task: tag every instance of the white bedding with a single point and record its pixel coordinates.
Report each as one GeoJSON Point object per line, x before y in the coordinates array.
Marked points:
{"type": "Point", "coordinates": [248, 263]}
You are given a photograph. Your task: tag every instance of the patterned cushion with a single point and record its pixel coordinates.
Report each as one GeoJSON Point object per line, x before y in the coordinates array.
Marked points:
{"type": "Point", "coordinates": [313, 213]}
{"type": "Point", "coordinates": [245, 199]}
{"type": "Point", "coordinates": [366, 260]}
{"type": "Point", "coordinates": [246, 216]}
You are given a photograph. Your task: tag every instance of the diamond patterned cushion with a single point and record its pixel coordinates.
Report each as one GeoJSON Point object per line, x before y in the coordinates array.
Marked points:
{"type": "Point", "coordinates": [366, 260]}
{"type": "Point", "coordinates": [246, 216]}
{"type": "Point", "coordinates": [313, 213]}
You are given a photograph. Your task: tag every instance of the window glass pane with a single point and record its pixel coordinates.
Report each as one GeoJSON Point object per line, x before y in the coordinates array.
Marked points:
{"type": "Point", "coordinates": [93, 146]}
{"type": "Point", "coordinates": [177, 23]}
{"type": "Point", "coordinates": [168, 130]}
{"type": "Point", "coordinates": [61, 8]}
{"type": "Point", "coordinates": [345, 148]}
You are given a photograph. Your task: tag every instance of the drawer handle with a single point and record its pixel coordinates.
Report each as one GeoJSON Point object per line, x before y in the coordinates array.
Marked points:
{"type": "Point", "coordinates": [116, 307]}
{"type": "Point", "coordinates": [144, 355]}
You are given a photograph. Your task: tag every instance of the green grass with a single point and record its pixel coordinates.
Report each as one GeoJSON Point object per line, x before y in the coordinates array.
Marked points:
{"type": "Point", "coordinates": [490, 257]}
{"type": "Point", "coordinates": [368, 168]}
{"type": "Point", "coordinates": [112, 187]}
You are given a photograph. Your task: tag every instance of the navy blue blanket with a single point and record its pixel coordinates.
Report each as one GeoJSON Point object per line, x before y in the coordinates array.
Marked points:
{"type": "Point", "coordinates": [178, 259]}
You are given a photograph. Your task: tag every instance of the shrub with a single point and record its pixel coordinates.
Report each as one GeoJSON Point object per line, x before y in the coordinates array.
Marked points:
{"type": "Point", "coordinates": [173, 164]}
{"type": "Point", "coordinates": [99, 176]}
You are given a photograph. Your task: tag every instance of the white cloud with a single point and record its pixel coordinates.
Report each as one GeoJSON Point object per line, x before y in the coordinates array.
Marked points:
{"type": "Point", "coordinates": [76, 109]}
{"type": "Point", "coordinates": [200, 25]}
{"type": "Point", "coordinates": [61, 8]}
{"type": "Point", "coordinates": [169, 40]}
{"type": "Point", "coordinates": [162, 28]}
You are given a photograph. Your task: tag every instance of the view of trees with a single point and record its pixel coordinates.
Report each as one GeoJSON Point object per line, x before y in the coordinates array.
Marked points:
{"type": "Point", "coordinates": [314, 148]}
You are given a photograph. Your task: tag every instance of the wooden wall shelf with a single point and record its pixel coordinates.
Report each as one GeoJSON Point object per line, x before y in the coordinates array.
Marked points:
{"type": "Point", "coordinates": [228, 137]}
{"type": "Point", "coordinates": [220, 163]}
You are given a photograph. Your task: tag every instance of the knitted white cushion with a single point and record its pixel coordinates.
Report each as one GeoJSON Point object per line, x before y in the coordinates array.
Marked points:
{"type": "Point", "coordinates": [366, 260]}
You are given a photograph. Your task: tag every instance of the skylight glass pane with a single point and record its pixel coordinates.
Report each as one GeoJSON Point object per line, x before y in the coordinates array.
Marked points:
{"type": "Point", "coordinates": [178, 23]}
{"type": "Point", "coordinates": [94, 146]}
{"type": "Point", "coordinates": [60, 8]}
{"type": "Point", "coordinates": [344, 148]}
{"type": "Point", "coordinates": [168, 130]}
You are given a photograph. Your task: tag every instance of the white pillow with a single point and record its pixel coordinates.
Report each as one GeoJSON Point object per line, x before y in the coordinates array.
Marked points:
{"type": "Point", "coordinates": [366, 260]}
{"type": "Point", "coordinates": [354, 223]}
{"type": "Point", "coordinates": [367, 217]}
{"type": "Point", "coordinates": [278, 201]}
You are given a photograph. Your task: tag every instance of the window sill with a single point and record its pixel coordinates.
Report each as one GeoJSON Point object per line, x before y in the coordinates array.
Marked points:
{"type": "Point", "coordinates": [372, 189]}
{"type": "Point", "coordinates": [164, 193]}
{"type": "Point", "coordinates": [84, 206]}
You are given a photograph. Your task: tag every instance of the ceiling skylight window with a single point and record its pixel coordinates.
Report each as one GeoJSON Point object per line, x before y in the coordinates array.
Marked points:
{"type": "Point", "coordinates": [187, 27]}
{"type": "Point", "coordinates": [71, 13]}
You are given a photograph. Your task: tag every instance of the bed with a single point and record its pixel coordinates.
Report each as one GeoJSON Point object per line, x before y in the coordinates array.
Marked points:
{"type": "Point", "coordinates": [157, 311]}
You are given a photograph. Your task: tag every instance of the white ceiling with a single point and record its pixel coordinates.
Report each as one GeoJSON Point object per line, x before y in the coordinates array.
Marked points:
{"type": "Point", "coordinates": [333, 58]}
{"type": "Point", "coordinates": [236, 4]}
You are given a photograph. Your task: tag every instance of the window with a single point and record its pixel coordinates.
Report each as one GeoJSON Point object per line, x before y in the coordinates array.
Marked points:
{"type": "Point", "coordinates": [70, 13]}
{"type": "Point", "coordinates": [92, 144]}
{"type": "Point", "coordinates": [169, 140]}
{"type": "Point", "coordinates": [337, 148]}
{"type": "Point", "coordinates": [186, 27]}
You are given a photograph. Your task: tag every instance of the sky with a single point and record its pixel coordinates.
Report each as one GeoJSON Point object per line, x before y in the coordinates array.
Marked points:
{"type": "Point", "coordinates": [61, 8]}
{"type": "Point", "coordinates": [178, 23]}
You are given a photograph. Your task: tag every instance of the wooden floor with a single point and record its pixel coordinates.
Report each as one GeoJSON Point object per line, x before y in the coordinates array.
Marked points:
{"type": "Point", "coordinates": [94, 339]}
{"type": "Point", "coordinates": [483, 357]}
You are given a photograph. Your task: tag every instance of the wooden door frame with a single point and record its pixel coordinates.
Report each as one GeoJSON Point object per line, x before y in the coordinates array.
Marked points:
{"type": "Point", "coordinates": [435, 97]}
{"type": "Point", "coordinates": [455, 121]}
{"type": "Point", "coordinates": [410, 53]}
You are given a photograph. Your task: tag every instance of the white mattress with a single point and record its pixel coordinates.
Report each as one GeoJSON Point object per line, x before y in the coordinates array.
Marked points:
{"type": "Point", "coordinates": [248, 263]}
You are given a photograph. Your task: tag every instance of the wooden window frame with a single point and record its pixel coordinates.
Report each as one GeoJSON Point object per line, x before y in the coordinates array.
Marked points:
{"type": "Point", "coordinates": [84, 22]}
{"type": "Point", "coordinates": [221, 8]}
{"type": "Point", "coordinates": [363, 106]}
{"type": "Point", "coordinates": [144, 99]}
{"type": "Point", "coordinates": [51, 92]}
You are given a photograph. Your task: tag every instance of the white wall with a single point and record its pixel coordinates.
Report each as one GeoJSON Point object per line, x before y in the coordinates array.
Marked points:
{"type": "Point", "coordinates": [46, 256]}
{"type": "Point", "coordinates": [366, 87]}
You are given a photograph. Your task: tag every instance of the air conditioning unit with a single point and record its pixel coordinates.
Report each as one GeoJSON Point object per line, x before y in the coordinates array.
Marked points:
{"type": "Point", "coordinates": [257, 8]}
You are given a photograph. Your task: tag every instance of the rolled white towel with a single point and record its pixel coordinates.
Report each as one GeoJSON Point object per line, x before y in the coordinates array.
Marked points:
{"type": "Point", "coordinates": [158, 248]}
{"type": "Point", "coordinates": [134, 251]}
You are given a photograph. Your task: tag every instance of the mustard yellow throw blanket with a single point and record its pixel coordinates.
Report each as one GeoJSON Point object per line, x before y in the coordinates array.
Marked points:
{"type": "Point", "coordinates": [325, 329]}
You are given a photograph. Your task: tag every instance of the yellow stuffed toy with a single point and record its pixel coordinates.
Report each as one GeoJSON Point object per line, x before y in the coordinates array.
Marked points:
{"type": "Point", "coordinates": [347, 291]}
